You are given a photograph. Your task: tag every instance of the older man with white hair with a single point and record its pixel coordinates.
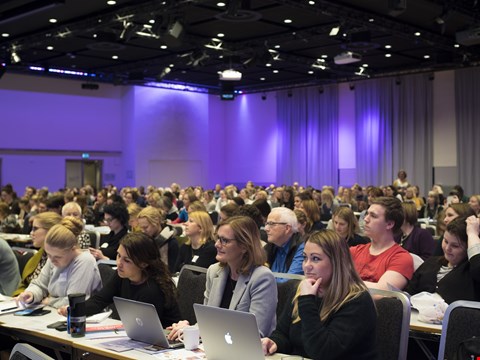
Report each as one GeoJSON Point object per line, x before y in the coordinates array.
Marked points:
{"type": "Point", "coordinates": [285, 245]}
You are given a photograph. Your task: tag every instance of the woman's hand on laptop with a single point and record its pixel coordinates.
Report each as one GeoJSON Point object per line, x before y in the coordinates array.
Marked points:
{"type": "Point", "coordinates": [176, 329]}
{"type": "Point", "coordinates": [269, 346]}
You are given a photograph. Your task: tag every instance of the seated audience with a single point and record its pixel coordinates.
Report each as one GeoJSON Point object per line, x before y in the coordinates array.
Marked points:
{"type": "Point", "coordinates": [285, 245]}
{"type": "Point", "coordinates": [10, 278]}
{"type": "Point", "coordinates": [332, 315]}
{"type": "Point", "coordinates": [401, 183]}
{"type": "Point", "coordinates": [200, 248]}
{"type": "Point", "coordinates": [152, 221]}
{"type": "Point", "coordinates": [140, 276]}
{"type": "Point", "coordinates": [228, 210]}
{"type": "Point", "coordinates": [133, 211]}
{"type": "Point", "coordinates": [311, 209]}
{"type": "Point", "coordinates": [383, 262]}
{"type": "Point", "coordinates": [9, 196]}
{"type": "Point", "coordinates": [455, 275]}
{"type": "Point", "coordinates": [433, 206]}
{"type": "Point", "coordinates": [116, 216]}
{"type": "Point", "coordinates": [68, 270]}
{"type": "Point", "coordinates": [346, 226]}
{"type": "Point", "coordinates": [474, 203]}
{"type": "Point", "coordinates": [240, 281]}
{"type": "Point", "coordinates": [413, 238]}
{"type": "Point", "coordinates": [252, 212]}
{"type": "Point", "coordinates": [8, 221]}
{"type": "Point", "coordinates": [73, 209]}
{"type": "Point", "coordinates": [328, 204]}
{"type": "Point", "coordinates": [41, 224]}
{"type": "Point", "coordinates": [452, 211]}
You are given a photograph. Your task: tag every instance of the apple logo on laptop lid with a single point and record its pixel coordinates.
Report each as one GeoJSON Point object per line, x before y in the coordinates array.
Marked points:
{"type": "Point", "coordinates": [228, 338]}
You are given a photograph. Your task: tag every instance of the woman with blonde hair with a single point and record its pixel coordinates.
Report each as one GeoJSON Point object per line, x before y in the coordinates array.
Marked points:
{"type": "Point", "coordinates": [133, 211]}
{"type": "Point", "coordinates": [68, 270]}
{"type": "Point", "coordinates": [346, 226]}
{"type": "Point", "coordinates": [199, 249]}
{"type": "Point", "coordinates": [152, 222]}
{"type": "Point", "coordinates": [240, 280]}
{"type": "Point", "coordinates": [41, 224]}
{"type": "Point", "coordinates": [332, 315]}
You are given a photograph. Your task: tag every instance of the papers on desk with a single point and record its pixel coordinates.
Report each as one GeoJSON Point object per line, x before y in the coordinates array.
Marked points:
{"type": "Point", "coordinates": [97, 318]}
{"type": "Point", "coordinates": [126, 344]}
{"type": "Point", "coordinates": [9, 305]}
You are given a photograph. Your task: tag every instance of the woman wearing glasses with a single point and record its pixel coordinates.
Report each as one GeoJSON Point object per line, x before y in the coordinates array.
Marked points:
{"type": "Point", "coordinates": [41, 224]}
{"type": "Point", "coordinates": [116, 216]}
{"type": "Point", "coordinates": [240, 281]}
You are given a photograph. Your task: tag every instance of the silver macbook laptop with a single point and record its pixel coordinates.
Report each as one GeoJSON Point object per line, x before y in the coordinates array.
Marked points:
{"type": "Point", "coordinates": [141, 323]}
{"type": "Point", "coordinates": [228, 334]}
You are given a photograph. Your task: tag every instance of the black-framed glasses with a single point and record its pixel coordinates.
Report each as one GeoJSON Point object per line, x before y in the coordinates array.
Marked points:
{"type": "Point", "coordinates": [274, 223]}
{"type": "Point", "coordinates": [224, 241]}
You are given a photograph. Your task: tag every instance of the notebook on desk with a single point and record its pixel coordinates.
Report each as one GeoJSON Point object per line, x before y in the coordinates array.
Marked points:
{"type": "Point", "coordinates": [228, 334]}
{"type": "Point", "coordinates": [141, 322]}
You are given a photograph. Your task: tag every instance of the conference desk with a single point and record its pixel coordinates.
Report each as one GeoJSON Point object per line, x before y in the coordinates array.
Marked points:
{"type": "Point", "coordinates": [421, 332]}
{"type": "Point", "coordinates": [34, 330]}
{"type": "Point", "coordinates": [21, 240]}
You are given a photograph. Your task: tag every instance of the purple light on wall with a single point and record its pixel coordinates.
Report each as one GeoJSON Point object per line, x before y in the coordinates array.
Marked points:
{"type": "Point", "coordinates": [371, 131]}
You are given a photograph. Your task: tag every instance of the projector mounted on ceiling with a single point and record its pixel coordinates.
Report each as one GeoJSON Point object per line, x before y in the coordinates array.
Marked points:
{"type": "Point", "coordinates": [347, 57]}
{"type": "Point", "coordinates": [230, 75]}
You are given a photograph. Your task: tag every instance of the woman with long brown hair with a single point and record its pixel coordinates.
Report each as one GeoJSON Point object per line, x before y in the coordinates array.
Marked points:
{"type": "Point", "coordinates": [332, 315]}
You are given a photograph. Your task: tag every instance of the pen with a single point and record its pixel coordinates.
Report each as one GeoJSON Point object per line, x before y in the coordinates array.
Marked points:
{"type": "Point", "coordinates": [11, 308]}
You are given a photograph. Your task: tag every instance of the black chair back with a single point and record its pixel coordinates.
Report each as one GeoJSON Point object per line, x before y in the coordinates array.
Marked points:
{"type": "Point", "coordinates": [191, 289]}
{"type": "Point", "coordinates": [460, 323]}
{"type": "Point", "coordinates": [393, 324]}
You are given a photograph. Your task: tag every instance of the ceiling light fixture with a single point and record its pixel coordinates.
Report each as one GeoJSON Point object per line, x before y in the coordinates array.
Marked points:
{"type": "Point", "coordinates": [230, 75]}
{"type": "Point", "coordinates": [215, 44]}
{"type": "Point", "coordinates": [15, 58]}
{"type": "Point", "coordinates": [335, 30]}
{"type": "Point", "coordinates": [164, 73]}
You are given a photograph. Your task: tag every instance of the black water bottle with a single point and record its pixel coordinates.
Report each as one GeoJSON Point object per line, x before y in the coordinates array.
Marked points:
{"type": "Point", "coordinates": [76, 315]}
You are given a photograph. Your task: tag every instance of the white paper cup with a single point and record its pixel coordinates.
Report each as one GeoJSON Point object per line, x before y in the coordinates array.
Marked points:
{"type": "Point", "coordinates": [190, 337]}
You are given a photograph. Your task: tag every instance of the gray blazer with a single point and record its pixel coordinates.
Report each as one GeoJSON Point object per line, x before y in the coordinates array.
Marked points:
{"type": "Point", "coordinates": [255, 292]}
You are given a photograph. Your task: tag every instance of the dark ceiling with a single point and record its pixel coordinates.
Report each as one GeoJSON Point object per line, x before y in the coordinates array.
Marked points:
{"type": "Point", "coordinates": [122, 43]}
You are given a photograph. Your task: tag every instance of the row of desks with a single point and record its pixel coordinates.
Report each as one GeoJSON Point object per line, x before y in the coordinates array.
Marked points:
{"type": "Point", "coordinates": [34, 330]}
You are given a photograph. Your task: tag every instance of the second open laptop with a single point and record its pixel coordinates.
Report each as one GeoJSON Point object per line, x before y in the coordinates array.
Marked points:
{"type": "Point", "coordinates": [228, 334]}
{"type": "Point", "coordinates": [141, 323]}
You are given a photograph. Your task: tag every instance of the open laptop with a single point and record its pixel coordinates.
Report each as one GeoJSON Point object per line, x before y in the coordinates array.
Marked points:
{"type": "Point", "coordinates": [228, 334]}
{"type": "Point", "coordinates": [141, 323]}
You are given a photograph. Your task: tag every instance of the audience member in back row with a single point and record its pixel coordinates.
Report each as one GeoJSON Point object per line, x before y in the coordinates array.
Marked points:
{"type": "Point", "coordinates": [240, 281]}
{"type": "Point", "coordinates": [41, 224]}
{"type": "Point", "coordinates": [73, 209]}
{"type": "Point", "coordinates": [68, 270]}
{"type": "Point", "coordinates": [331, 315]}
{"type": "Point", "coordinates": [116, 216]}
{"type": "Point", "coordinates": [152, 221]}
{"type": "Point", "coordinates": [140, 276]}
{"type": "Point", "coordinates": [10, 277]}
{"type": "Point", "coordinates": [199, 249]}
{"type": "Point", "coordinates": [285, 245]}
{"type": "Point", "coordinates": [346, 226]}
{"type": "Point", "coordinates": [413, 238]}
{"type": "Point", "coordinates": [456, 275]}
{"type": "Point", "coordinates": [452, 211]}
{"type": "Point", "coordinates": [383, 262]}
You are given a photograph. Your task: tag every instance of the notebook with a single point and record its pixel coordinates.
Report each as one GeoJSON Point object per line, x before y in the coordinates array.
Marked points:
{"type": "Point", "coordinates": [228, 334]}
{"type": "Point", "coordinates": [141, 323]}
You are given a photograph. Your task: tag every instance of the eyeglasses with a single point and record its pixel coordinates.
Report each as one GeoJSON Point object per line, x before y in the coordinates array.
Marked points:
{"type": "Point", "coordinates": [108, 220]}
{"type": "Point", "coordinates": [224, 241]}
{"type": "Point", "coordinates": [273, 223]}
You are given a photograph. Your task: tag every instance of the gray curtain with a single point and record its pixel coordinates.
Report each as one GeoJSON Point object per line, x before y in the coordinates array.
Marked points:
{"type": "Point", "coordinates": [394, 128]}
{"type": "Point", "coordinates": [308, 136]}
{"type": "Point", "coordinates": [467, 113]}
